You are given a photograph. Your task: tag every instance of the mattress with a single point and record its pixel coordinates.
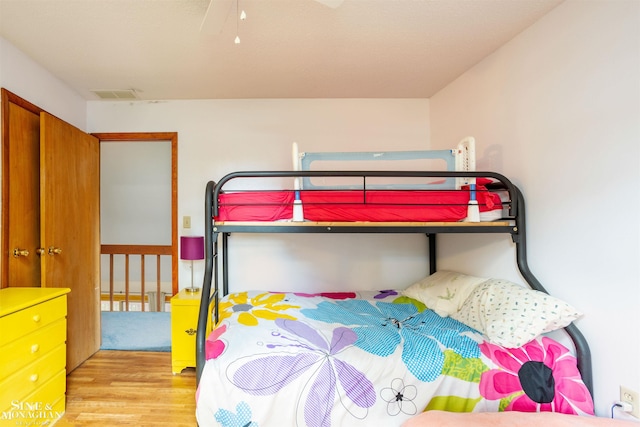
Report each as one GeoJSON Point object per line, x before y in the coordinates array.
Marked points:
{"type": "Point", "coordinates": [357, 205]}
{"type": "Point", "coordinates": [510, 419]}
{"type": "Point", "coordinates": [368, 358]}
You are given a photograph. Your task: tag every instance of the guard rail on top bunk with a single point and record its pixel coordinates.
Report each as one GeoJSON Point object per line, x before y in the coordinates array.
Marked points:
{"type": "Point", "coordinates": [513, 224]}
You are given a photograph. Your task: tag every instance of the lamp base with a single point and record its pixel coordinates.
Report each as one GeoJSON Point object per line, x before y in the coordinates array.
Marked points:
{"type": "Point", "coordinates": [192, 290]}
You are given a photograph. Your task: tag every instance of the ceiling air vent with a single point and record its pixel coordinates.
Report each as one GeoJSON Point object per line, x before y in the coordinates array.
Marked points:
{"type": "Point", "coordinates": [126, 94]}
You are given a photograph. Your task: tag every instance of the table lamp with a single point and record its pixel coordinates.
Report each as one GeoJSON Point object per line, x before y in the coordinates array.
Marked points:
{"type": "Point", "coordinates": [192, 249]}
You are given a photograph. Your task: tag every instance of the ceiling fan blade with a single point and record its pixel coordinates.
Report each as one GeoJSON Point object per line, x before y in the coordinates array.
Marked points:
{"type": "Point", "coordinates": [333, 4]}
{"type": "Point", "coordinates": [215, 16]}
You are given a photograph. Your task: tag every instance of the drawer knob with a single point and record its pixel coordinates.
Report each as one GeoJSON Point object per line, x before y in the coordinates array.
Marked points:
{"type": "Point", "coordinates": [191, 331]}
{"type": "Point", "coordinates": [35, 348]}
{"type": "Point", "coordinates": [36, 318]}
{"type": "Point", "coordinates": [33, 378]}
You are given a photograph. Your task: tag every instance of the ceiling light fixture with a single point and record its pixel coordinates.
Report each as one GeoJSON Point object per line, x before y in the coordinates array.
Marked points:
{"type": "Point", "coordinates": [240, 16]}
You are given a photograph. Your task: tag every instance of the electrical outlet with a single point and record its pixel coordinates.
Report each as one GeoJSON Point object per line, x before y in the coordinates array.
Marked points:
{"type": "Point", "coordinates": [631, 397]}
{"type": "Point", "coordinates": [186, 222]}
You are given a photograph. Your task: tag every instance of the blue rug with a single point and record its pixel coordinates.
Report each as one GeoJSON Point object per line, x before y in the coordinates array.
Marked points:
{"type": "Point", "coordinates": [136, 331]}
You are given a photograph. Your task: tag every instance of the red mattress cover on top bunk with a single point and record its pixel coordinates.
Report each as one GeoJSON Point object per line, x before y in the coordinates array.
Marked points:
{"type": "Point", "coordinates": [350, 205]}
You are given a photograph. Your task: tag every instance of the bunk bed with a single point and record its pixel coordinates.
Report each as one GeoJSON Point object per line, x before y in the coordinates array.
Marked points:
{"type": "Point", "coordinates": [348, 358]}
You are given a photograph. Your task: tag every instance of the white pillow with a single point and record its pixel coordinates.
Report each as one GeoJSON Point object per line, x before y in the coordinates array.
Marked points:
{"type": "Point", "coordinates": [511, 315]}
{"type": "Point", "coordinates": [444, 291]}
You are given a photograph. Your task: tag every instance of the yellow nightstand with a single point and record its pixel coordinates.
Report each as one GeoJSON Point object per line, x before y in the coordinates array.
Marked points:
{"type": "Point", "coordinates": [33, 332]}
{"type": "Point", "coordinates": [184, 323]}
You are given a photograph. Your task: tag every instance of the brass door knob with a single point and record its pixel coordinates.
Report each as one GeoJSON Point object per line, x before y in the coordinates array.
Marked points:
{"type": "Point", "coordinates": [20, 252]}
{"type": "Point", "coordinates": [54, 251]}
{"type": "Point", "coordinates": [40, 251]}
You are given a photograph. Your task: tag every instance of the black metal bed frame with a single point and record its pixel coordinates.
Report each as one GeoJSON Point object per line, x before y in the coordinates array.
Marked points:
{"type": "Point", "coordinates": [217, 235]}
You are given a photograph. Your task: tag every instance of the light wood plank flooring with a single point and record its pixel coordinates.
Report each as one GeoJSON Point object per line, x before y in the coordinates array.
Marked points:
{"type": "Point", "coordinates": [129, 388]}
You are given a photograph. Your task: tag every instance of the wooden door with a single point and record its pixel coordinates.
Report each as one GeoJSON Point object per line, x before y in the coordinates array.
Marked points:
{"type": "Point", "coordinates": [70, 229]}
{"type": "Point", "coordinates": [22, 194]}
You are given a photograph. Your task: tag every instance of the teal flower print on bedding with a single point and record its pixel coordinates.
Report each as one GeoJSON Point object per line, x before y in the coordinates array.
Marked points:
{"type": "Point", "coordinates": [382, 327]}
{"type": "Point", "coordinates": [241, 418]}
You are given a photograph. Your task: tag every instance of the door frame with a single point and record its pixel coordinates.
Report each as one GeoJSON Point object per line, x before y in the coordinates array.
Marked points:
{"type": "Point", "coordinates": [158, 137]}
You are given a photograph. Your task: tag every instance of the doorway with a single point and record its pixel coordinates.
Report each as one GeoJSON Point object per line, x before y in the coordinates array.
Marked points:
{"type": "Point", "coordinates": [143, 170]}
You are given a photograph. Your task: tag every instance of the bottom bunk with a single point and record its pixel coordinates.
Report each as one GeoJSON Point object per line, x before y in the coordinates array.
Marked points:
{"type": "Point", "coordinates": [383, 357]}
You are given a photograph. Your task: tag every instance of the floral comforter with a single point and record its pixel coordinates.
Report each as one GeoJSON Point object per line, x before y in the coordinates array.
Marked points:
{"type": "Point", "coordinates": [368, 358]}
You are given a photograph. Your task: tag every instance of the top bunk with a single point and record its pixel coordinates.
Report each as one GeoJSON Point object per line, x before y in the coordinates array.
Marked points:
{"type": "Point", "coordinates": [367, 192]}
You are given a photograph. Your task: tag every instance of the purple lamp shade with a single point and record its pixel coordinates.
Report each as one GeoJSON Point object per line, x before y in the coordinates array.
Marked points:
{"type": "Point", "coordinates": [192, 247]}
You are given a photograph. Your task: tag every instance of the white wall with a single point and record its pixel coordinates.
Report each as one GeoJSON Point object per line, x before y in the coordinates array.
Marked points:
{"type": "Point", "coordinates": [558, 110]}
{"type": "Point", "coordinates": [30, 81]}
{"type": "Point", "coordinates": [216, 137]}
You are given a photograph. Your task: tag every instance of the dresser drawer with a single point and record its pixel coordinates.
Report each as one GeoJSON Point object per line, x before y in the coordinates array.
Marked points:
{"type": "Point", "coordinates": [23, 322]}
{"type": "Point", "coordinates": [47, 403]}
{"type": "Point", "coordinates": [28, 349]}
{"type": "Point", "coordinates": [28, 379]}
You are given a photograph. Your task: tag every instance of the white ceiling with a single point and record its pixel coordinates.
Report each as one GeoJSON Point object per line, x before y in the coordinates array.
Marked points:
{"type": "Point", "coordinates": [288, 49]}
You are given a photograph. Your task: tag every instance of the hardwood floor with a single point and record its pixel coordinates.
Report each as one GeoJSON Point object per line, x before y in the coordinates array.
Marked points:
{"type": "Point", "coordinates": [129, 388]}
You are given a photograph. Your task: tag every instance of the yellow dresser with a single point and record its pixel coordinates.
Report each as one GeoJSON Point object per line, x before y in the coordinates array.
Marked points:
{"type": "Point", "coordinates": [184, 323]}
{"type": "Point", "coordinates": [33, 350]}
